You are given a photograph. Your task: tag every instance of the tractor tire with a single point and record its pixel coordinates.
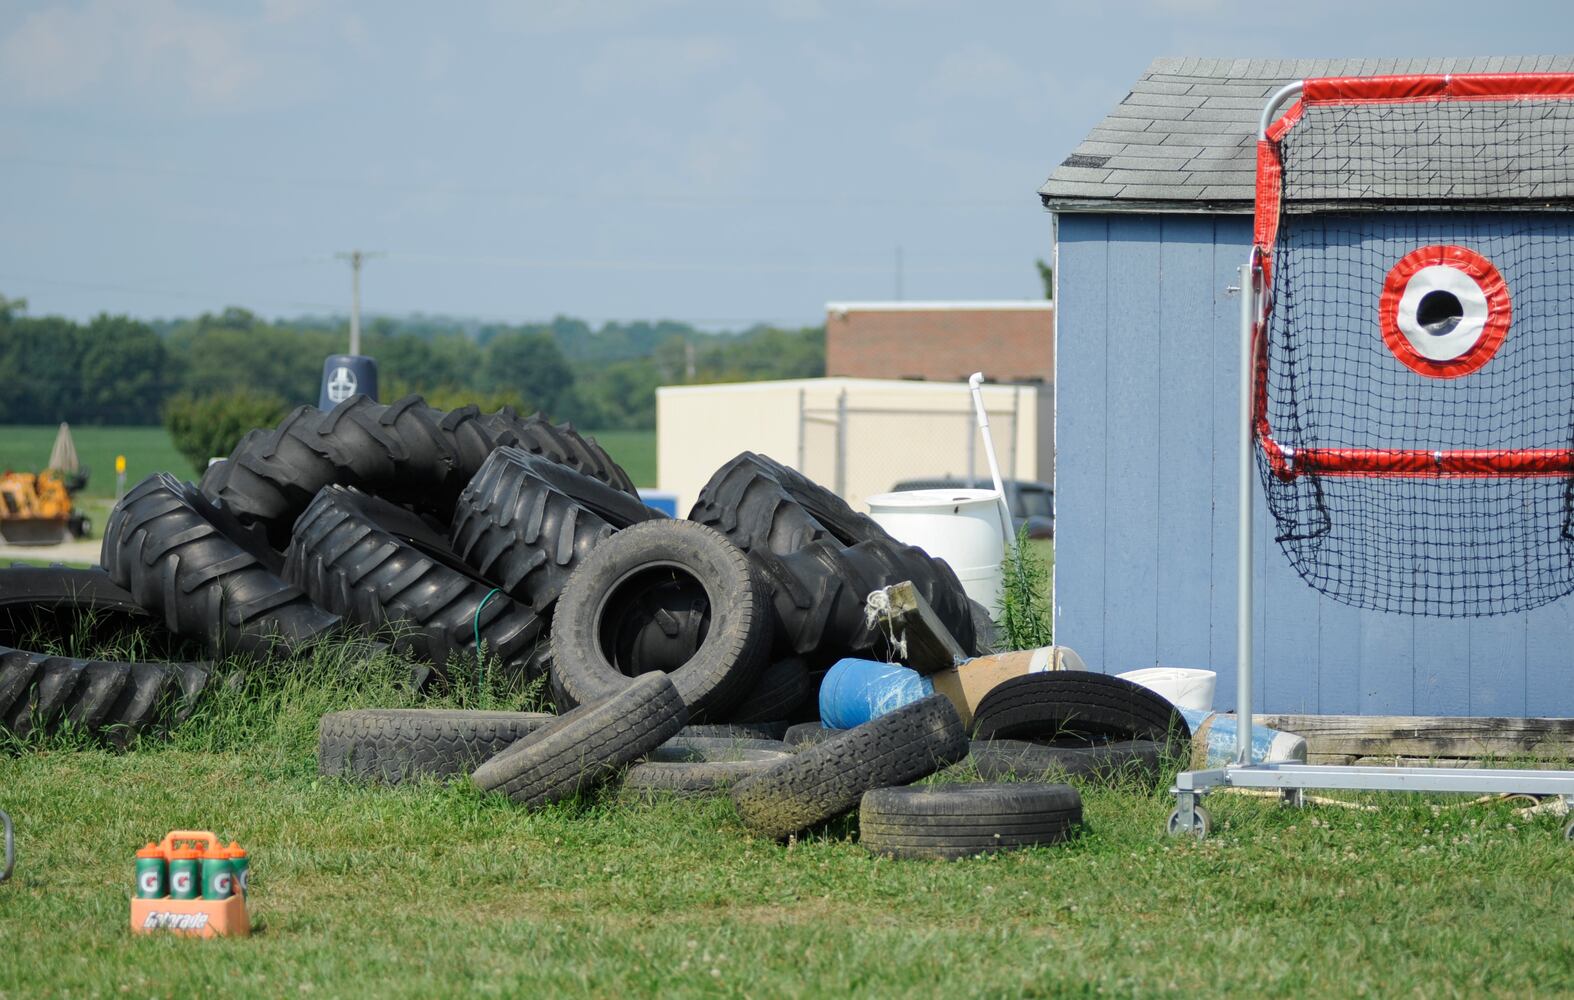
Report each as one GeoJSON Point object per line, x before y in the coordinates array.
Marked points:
{"type": "Point", "coordinates": [780, 689]}
{"type": "Point", "coordinates": [827, 780]}
{"type": "Point", "coordinates": [106, 698]}
{"type": "Point", "coordinates": [513, 524]}
{"type": "Point", "coordinates": [1076, 703]}
{"type": "Point", "coordinates": [947, 822]}
{"type": "Point", "coordinates": [346, 559]}
{"type": "Point", "coordinates": [633, 585]}
{"type": "Point", "coordinates": [163, 546]}
{"type": "Point", "coordinates": [587, 747]}
{"type": "Point", "coordinates": [393, 745]}
{"type": "Point", "coordinates": [406, 452]}
{"type": "Point", "coordinates": [760, 503]}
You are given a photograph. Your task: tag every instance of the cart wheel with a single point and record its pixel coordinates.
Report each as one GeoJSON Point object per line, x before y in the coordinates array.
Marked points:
{"type": "Point", "coordinates": [1201, 823]}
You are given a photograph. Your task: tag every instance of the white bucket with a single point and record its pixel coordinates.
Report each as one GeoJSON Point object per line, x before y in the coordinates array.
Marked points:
{"type": "Point", "coordinates": [1183, 686]}
{"type": "Point", "coordinates": [961, 526]}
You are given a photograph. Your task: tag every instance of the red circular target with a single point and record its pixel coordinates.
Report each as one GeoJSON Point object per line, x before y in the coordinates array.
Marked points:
{"type": "Point", "coordinates": [1445, 311]}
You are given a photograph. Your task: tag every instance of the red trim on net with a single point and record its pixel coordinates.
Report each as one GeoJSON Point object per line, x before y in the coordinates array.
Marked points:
{"type": "Point", "coordinates": [1390, 462]}
{"type": "Point", "coordinates": [1436, 87]}
{"type": "Point", "coordinates": [1500, 310]}
{"type": "Point", "coordinates": [1486, 463]}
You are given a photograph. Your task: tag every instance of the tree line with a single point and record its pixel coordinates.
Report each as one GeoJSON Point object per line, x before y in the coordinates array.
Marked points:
{"type": "Point", "coordinates": [119, 370]}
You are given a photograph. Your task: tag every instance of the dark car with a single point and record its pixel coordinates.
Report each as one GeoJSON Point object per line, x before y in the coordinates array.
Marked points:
{"type": "Point", "coordinates": [1032, 503]}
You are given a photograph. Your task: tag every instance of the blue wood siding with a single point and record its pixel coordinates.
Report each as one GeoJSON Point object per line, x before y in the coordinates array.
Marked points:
{"type": "Point", "coordinates": [1146, 396]}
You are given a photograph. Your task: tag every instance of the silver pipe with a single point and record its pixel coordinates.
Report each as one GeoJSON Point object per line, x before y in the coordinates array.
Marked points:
{"type": "Point", "coordinates": [1243, 537]}
{"type": "Point", "coordinates": [1283, 94]}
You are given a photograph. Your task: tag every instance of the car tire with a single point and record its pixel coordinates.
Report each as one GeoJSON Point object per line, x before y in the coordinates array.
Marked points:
{"type": "Point", "coordinates": [394, 745]}
{"type": "Point", "coordinates": [947, 822]}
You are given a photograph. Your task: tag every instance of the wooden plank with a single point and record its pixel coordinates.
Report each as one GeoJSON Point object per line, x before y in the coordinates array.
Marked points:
{"type": "Point", "coordinates": [1549, 659]}
{"type": "Point", "coordinates": [1387, 666]}
{"type": "Point", "coordinates": [1497, 666]}
{"type": "Point", "coordinates": [926, 645]}
{"type": "Point", "coordinates": [1081, 428]}
{"type": "Point", "coordinates": [1442, 666]}
{"type": "Point", "coordinates": [1429, 736]}
{"type": "Point", "coordinates": [1130, 497]}
{"type": "Point", "coordinates": [1183, 528]}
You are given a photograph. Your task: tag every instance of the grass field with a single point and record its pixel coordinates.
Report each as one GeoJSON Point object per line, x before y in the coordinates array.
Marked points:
{"type": "Point", "coordinates": [148, 449]}
{"type": "Point", "coordinates": [437, 890]}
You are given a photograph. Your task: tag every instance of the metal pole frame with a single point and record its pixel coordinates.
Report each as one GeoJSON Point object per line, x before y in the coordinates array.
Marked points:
{"type": "Point", "coordinates": [1292, 779]}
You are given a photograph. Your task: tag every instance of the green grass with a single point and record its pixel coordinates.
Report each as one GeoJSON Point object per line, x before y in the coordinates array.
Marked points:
{"type": "Point", "coordinates": [437, 890]}
{"type": "Point", "coordinates": [634, 450]}
{"type": "Point", "coordinates": [149, 449]}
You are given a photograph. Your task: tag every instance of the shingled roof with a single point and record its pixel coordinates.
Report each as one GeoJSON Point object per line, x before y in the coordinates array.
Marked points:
{"type": "Point", "coordinates": [1184, 139]}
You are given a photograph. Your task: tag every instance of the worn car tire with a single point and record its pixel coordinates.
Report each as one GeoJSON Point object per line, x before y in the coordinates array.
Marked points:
{"type": "Point", "coordinates": [802, 735]}
{"type": "Point", "coordinates": [515, 525]}
{"type": "Point", "coordinates": [162, 545]}
{"type": "Point", "coordinates": [826, 780]}
{"type": "Point", "coordinates": [1076, 703]}
{"type": "Point", "coordinates": [588, 746]}
{"type": "Point", "coordinates": [1112, 763]}
{"type": "Point", "coordinates": [735, 731]}
{"type": "Point", "coordinates": [692, 768]}
{"type": "Point", "coordinates": [946, 822]}
{"type": "Point", "coordinates": [406, 452]}
{"type": "Point", "coordinates": [635, 580]}
{"type": "Point", "coordinates": [345, 557]}
{"type": "Point", "coordinates": [393, 745]}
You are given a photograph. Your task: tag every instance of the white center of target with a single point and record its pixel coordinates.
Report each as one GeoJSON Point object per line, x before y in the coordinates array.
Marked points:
{"type": "Point", "coordinates": [1464, 334]}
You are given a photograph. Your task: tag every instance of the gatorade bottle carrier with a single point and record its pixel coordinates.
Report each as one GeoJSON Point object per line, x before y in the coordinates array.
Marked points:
{"type": "Point", "coordinates": [193, 917]}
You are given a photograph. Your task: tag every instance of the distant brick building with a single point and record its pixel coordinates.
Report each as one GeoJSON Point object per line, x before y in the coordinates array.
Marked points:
{"type": "Point", "coordinates": [1012, 341]}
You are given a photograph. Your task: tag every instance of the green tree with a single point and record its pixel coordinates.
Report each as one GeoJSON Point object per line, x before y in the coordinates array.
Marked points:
{"type": "Point", "coordinates": [530, 364]}
{"type": "Point", "coordinates": [204, 427]}
{"type": "Point", "coordinates": [1046, 274]}
{"type": "Point", "coordinates": [123, 372]}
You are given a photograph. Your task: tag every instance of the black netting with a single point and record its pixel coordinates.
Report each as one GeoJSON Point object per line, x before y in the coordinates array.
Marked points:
{"type": "Point", "coordinates": [1425, 174]}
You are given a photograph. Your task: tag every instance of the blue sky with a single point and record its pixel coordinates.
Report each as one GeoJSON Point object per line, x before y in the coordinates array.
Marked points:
{"type": "Point", "coordinates": [721, 163]}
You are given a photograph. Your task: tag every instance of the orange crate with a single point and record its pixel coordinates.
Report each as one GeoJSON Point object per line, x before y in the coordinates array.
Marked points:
{"type": "Point", "coordinates": [191, 917]}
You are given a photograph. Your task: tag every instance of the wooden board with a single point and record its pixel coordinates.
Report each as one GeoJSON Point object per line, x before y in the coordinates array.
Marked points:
{"type": "Point", "coordinates": [1355, 736]}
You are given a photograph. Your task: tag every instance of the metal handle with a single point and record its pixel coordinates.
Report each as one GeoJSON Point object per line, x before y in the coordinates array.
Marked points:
{"type": "Point", "coordinates": [10, 846]}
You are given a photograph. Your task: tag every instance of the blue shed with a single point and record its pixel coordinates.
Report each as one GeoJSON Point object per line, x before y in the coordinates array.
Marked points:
{"type": "Point", "coordinates": [1152, 217]}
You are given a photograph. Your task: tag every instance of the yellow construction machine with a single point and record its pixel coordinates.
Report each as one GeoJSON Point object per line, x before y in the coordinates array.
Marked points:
{"type": "Point", "coordinates": [36, 508]}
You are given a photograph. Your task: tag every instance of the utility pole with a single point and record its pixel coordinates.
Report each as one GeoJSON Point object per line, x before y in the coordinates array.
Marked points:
{"type": "Point", "coordinates": [356, 258]}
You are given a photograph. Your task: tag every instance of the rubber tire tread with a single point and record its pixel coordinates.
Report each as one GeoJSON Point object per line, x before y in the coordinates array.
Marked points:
{"type": "Point", "coordinates": [394, 745]}
{"type": "Point", "coordinates": [774, 730]}
{"type": "Point", "coordinates": [348, 562]}
{"type": "Point", "coordinates": [1076, 703]}
{"type": "Point", "coordinates": [802, 735]}
{"type": "Point", "coordinates": [701, 771]}
{"type": "Point", "coordinates": [1114, 763]}
{"type": "Point", "coordinates": [735, 649]}
{"type": "Point", "coordinates": [827, 780]}
{"type": "Point", "coordinates": [778, 691]}
{"type": "Point", "coordinates": [161, 545]}
{"type": "Point", "coordinates": [404, 451]}
{"type": "Point", "coordinates": [946, 822]}
{"type": "Point", "coordinates": [587, 747]}
{"type": "Point", "coordinates": [512, 526]}
{"type": "Point", "coordinates": [110, 699]}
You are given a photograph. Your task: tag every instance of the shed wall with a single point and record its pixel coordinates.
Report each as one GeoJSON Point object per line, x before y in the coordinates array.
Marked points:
{"type": "Point", "coordinates": [1147, 381]}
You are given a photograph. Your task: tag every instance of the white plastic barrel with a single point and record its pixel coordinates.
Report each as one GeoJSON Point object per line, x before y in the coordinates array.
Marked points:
{"type": "Point", "coordinates": [1185, 687]}
{"type": "Point", "coordinates": [961, 526]}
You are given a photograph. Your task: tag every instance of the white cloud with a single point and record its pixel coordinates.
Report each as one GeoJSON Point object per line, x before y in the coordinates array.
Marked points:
{"type": "Point", "coordinates": [153, 46]}
{"type": "Point", "coordinates": [654, 63]}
